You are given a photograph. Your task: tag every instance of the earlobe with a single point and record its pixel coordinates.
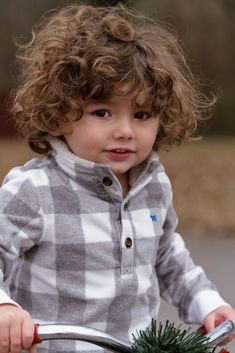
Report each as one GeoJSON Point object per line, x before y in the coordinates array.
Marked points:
{"type": "Point", "coordinates": [56, 133]}
{"type": "Point", "coordinates": [64, 129]}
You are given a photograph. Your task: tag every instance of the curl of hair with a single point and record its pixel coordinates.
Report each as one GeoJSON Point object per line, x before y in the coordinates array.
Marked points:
{"type": "Point", "coordinates": [83, 52]}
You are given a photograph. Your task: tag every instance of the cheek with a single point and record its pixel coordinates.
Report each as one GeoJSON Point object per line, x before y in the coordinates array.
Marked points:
{"type": "Point", "coordinates": [148, 139]}
{"type": "Point", "coordinates": [87, 141]}
{"type": "Point", "coordinates": [90, 134]}
{"type": "Point", "coordinates": [153, 133]}
{"type": "Point", "coordinates": [92, 139]}
{"type": "Point", "coordinates": [148, 144]}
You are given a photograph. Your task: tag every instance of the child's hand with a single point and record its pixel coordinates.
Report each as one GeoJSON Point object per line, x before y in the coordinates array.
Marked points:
{"type": "Point", "coordinates": [16, 329]}
{"type": "Point", "coordinates": [217, 316]}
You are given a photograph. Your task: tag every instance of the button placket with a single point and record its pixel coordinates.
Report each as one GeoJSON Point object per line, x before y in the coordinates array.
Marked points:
{"type": "Point", "coordinates": [125, 207]}
{"type": "Point", "coordinates": [128, 242]}
{"type": "Point", "coordinates": [127, 248]}
{"type": "Point", "coordinates": [107, 181]}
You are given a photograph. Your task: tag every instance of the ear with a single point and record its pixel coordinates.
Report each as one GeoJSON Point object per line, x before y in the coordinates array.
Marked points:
{"type": "Point", "coordinates": [56, 133]}
{"type": "Point", "coordinates": [64, 129]}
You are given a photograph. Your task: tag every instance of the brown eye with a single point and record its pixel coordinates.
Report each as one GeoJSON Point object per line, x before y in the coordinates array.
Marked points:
{"type": "Point", "coordinates": [101, 113]}
{"type": "Point", "coordinates": [141, 115]}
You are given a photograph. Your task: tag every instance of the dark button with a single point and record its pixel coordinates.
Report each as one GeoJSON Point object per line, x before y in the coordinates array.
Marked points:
{"type": "Point", "coordinates": [128, 242]}
{"type": "Point", "coordinates": [125, 207]}
{"type": "Point", "coordinates": [107, 181]}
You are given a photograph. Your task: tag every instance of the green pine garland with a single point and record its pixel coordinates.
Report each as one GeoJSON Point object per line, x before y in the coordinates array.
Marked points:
{"type": "Point", "coordinates": [169, 339]}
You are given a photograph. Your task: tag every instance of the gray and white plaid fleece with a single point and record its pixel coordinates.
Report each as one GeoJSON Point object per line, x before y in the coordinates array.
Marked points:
{"type": "Point", "coordinates": [73, 250]}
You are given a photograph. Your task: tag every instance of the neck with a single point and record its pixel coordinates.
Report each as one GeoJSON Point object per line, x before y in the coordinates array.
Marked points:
{"type": "Point", "coordinates": [124, 181]}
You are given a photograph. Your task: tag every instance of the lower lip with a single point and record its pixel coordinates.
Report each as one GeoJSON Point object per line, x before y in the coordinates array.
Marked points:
{"type": "Point", "coordinates": [118, 155]}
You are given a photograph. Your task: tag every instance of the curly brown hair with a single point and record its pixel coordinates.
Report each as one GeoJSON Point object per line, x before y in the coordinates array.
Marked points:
{"type": "Point", "coordinates": [83, 52]}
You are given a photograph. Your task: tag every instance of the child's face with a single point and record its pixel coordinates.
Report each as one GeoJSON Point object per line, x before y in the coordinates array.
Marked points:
{"type": "Point", "coordinates": [113, 133]}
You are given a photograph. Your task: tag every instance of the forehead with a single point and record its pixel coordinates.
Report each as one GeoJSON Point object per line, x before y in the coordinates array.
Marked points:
{"type": "Point", "coordinates": [128, 91]}
{"type": "Point", "coordinates": [137, 95]}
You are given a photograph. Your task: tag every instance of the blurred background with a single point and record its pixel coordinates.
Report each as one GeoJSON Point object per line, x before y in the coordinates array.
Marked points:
{"type": "Point", "coordinates": [205, 28]}
{"type": "Point", "coordinates": [203, 172]}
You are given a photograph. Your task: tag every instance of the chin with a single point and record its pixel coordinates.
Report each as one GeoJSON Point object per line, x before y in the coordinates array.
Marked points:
{"type": "Point", "coordinates": [119, 172]}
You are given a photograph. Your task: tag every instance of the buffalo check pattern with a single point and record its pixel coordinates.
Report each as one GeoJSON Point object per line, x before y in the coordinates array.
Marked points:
{"type": "Point", "coordinates": [64, 254]}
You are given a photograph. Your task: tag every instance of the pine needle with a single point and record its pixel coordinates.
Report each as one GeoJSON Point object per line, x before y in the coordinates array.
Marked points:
{"type": "Point", "coordinates": [169, 339]}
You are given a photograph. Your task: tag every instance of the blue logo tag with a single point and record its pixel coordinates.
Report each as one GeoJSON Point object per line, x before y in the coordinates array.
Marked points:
{"type": "Point", "coordinates": [153, 217]}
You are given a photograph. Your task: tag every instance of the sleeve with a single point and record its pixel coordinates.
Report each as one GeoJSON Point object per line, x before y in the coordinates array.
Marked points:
{"type": "Point", "coordinates": [20, 223]}
{"type": "Point", "coordinates": [181, 282]}
{"type": "Point", "coordinates": [5, 299]}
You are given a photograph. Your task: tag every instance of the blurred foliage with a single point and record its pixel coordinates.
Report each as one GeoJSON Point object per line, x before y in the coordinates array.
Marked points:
{"type": "Point", "coordinates": [204, 27]}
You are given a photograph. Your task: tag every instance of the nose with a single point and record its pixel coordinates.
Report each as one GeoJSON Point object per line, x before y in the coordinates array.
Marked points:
{"type": "Point", "coordinates": [123, 129]}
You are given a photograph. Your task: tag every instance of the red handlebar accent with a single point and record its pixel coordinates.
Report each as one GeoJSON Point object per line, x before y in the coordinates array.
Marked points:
{"type": "Point", "coordinates": [36, 338]}
{"type": "Point", "coordinates": [202, 330]}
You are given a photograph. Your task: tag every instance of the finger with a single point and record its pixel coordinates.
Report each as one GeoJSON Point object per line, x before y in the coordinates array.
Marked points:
{"type": "Point", "coordinates": [4, 340]}
{"type": "Point", "coordinates": [15, 338]}
{"type": "Point", "coordinates": [209, 323]}
{"type": "Point", "coordinates": [33, 349]}
{"type": "Point", "coordinates": [27, 333]}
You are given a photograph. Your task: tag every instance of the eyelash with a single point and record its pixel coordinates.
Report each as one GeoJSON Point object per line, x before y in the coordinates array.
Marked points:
{"type": "Point", "coordinates": [96, 112]}
{"type": "Point", "coordinates": [145, 115]}
{"type": "Point", "coordinates": [141, 115]}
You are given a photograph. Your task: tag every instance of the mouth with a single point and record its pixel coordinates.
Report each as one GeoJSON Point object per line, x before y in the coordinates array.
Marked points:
{"type": "Point", "coordinates": [121, 150]}
{"type": "Point", "coordinates": [119, 153]}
